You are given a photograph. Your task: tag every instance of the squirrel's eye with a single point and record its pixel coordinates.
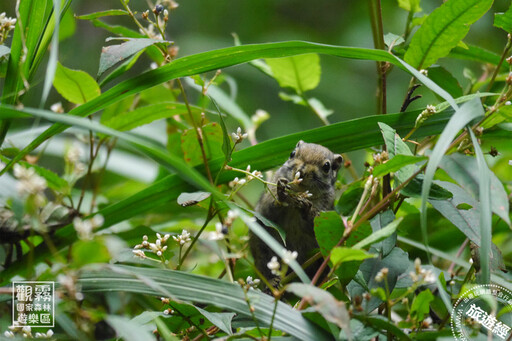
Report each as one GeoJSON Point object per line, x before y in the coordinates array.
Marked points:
{"type": "Point", "coordinates": [292, 154]}
{"type": "Point", "coordinates": [326, 167]}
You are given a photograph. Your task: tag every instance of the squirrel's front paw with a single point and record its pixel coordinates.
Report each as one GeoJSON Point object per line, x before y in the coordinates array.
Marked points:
{"type": "Point", "coordinates": [282, 189]}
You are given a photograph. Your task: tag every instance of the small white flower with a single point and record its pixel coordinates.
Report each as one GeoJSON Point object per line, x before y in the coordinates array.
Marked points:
{"type": "Point", "coordinates": [57, 108]}
{"type": "Point", "coordinates": [259, 117]}
{"type": "Point", "coordinates": [509, 163]}
{"type": "Point", "coordinates": [9, 334]}
{"type": "Point", "coordinates": [97, 221]}
{"type": "Point", "coordinates": [139, 253]}
{"type": "Point", "coordinates": [273, 265]}
{"type": "Point", "coordinates": [74, 153]}
{"type": "Point", "coordinates": [381, 275]}
{"type": "Point", "coordinates": [83, 228]}
{"type": "Point", "coordinates": [289, 256]}
{"type": "Point", "coordinates": [253, 283]}
{"type": "Point", "coordinates": [153, 66]}
{"type": "Point", "coordinates": [238, 136]}
{"type": "Point", "coordinates": [218, 234]}
{"type": "Point", "coordinates": [424, 72]}
{"type": "Point", "coordinates": [428, 276]}
{"type": "Point", "coordinates": [29, 182]}
{"type": "Point", "coordinates": [508, 103]}
{"type": "Point", "coordinates": [183, 238]}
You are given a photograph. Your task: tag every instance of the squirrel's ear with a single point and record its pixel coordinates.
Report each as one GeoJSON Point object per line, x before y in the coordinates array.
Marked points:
{"type": "Point", "coordinates": [299, 143]}
{"type": "Point", "coordinates": [338, 160]}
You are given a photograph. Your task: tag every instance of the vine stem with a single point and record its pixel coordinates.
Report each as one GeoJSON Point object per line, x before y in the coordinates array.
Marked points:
{"type": "Point", "coordinates": [502, 59]}
{"type": "Point", "coordinates": [381, 205]}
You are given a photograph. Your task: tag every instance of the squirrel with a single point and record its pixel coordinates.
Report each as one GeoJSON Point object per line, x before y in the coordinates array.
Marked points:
{"type": "Point", "coordinates": [298, 203]}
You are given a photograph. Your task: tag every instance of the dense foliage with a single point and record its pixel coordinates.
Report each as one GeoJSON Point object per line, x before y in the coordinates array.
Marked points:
{"type": "Point", "coordinates": [135, 191]}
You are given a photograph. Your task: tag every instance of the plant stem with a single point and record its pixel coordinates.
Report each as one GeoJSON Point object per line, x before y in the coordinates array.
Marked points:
{"type": "Point", "coordinates": [502, 59]}
{"type": "Point", "coordinates": [276, 300]}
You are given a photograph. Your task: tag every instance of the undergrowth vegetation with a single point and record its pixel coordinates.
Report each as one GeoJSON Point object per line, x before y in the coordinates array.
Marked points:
{"type": "Point", "coordinates": [136, 191]}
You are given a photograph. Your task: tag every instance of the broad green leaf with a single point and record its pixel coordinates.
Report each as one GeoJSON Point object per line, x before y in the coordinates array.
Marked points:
{"type": "Point", "coordinates": [301, 73]}
{"type": "Point", "coordinates": [421, 304]}
{"type": "Point", "coordinates": [147, 114]}
{"type": "Point", "coordinates": [328, 231]}
{"type": "Point", "coordinates": [464, 170]}
{"type": "Point", "coordinates": [478, 54]}
{"type": "Point", "coordinates": [108, 13]}
{"type": "Point", "coordinates": [122, 68]}
{"type": "Point", "coordinates": [396, 146]}
{"type": "Point", "coordinates": [350, 198]}
{"type": "Point", "coordinates": [445, 80]}
{"type": "Point", "coordinates": [414, 188]}
{"type": "Point", "coordinates": [378, 223]}
{"type": "Point", "coordinates": [503, 114]}
{"type": "Point", "coordinates": [127, 330]}
{"type": "Point", "coordinates": [397, 262]}
{"type": "Point", "coordinates": [396, 163]}
{"type": "Point", "coordinates": [379, 235]}
{"type": "Point", "coordinates": [443, 29]}
{"type": "Point", "coordinates": [504, 20]}
{"type": "Point", "coordinates": [484, 196]}
{"type": "Point", "coordinates": [212, 141]}
{"type": "Point", "coordinates": [200, 289]}
{"type": "Point", "coordinates": [67, 25]}
{"type": "Point", "coordinates": [410, 5]}
{"type": "Point", "coordinates": [322, 301]}
{"type": "Point", "coordinates": [74, 85]}
{"type": "Point", "coordinates": [391, 39]}
{"type": "Point", "coordinates": [81, 253]}
{"type": "Point", "coordinates": [113, 54]}
{"type": "Point", "coordinates": [221, 320]}
{"type": "Point", "coordinates": [346, 254]}
{"type": "Point", "coordinates": [383, 324]}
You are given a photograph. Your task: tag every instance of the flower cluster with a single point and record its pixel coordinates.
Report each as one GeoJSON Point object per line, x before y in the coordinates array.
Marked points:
{"type": "Point", "coordinates": [57, 108]}
{"type": "Point", "coordinates": [26, 332]}
{"type": "Point", "coordinates": [6, 25]}
{"type": "Point", "coordinates": [252, 283]}
{"type": "Point", "coordinates": [182, 238]}
{"type": "Point", "coordinates": [420, 274]}
{"type": "Point", "coordinates": [29, 182]}
{"type": "Point", "coordinates": [84, 228]}
{"type": "Point", "coordinates": [250, 176]}
{"type": "Point", "coordinates": [273, 266]}
{"type": "Point", "coordinates": [382, 275]}
{"type": "Point", "coordinates": [429, 111]}
{"type": "Point", "coordinates": [158, 247]}
{"type": "Point", "coordinates": [238, 137]}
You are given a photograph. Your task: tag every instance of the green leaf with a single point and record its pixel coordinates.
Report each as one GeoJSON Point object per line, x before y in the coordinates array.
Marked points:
{"type": "Point", "coordinates": [212, 140]}
{"type": "Point", "coordinates": [396, 163]}
{"type": "Point", "coordinates": [464, 170]}
{"type": "Point", "coordinates": [410, 5]}
{"type": "Point", "coordinates": [81, 253]}
{"type": "Point", "coordinates": [322, 301]}
{"type": "Point", "coordinates": [328, 231]}
{"type": "Point", "coordinates": [379, 222]}
{"type": "Point", "coordinates": [443, 29]}
{"type": "Point", "coordinates": [75, 86]}
{"type": "Point", "coordinates": [301, 73]}
{"type": "Point", "coordinates": [127, 330]}
{"type": "Point", "coordinates": [421, 304]}
{"type": "Point", "coordinates": [67, 25]}
{"type": "Point", "coordinates": [226, 141]}
{"type": "Point", "coordinates": [345, 254]}
{"type": "Point", "coordinates": [350, 198]}
{"type": "Point", "coordinates": [108, 13]}
{"type": "Point", "coordinates": [396, 261]}
{"type": "Point", "coordinates": [379, 235]}
{"type": "Point", "coordinates": [113, 54]}
{"type": "Point", "coordinates": [478, 54]}
{"type": "Point", "coordinates": [445, 80]}
{"type": "Point", "coordinates": [124, 121]}
{"type": "Point", "coordinates": [221, 320]}
{"type": "Point", "coordinates": [484, 196]}
{"type": "Point", "coordinates": [504, 20]}
{"type": "Point", "coordinates": [126, 65]}
{"type": "Point", "coordinates": [200, 289]}
{"type": "Point", "coordinates": [504, 114]}
{"type": "Point", "coordinates": [391, 39]}
{"type": "Point", "coordinates": [414, 189]}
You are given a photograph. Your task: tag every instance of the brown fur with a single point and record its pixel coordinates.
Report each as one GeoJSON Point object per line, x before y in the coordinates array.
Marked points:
{"type": "Point", "coordinates": [295, 215]}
